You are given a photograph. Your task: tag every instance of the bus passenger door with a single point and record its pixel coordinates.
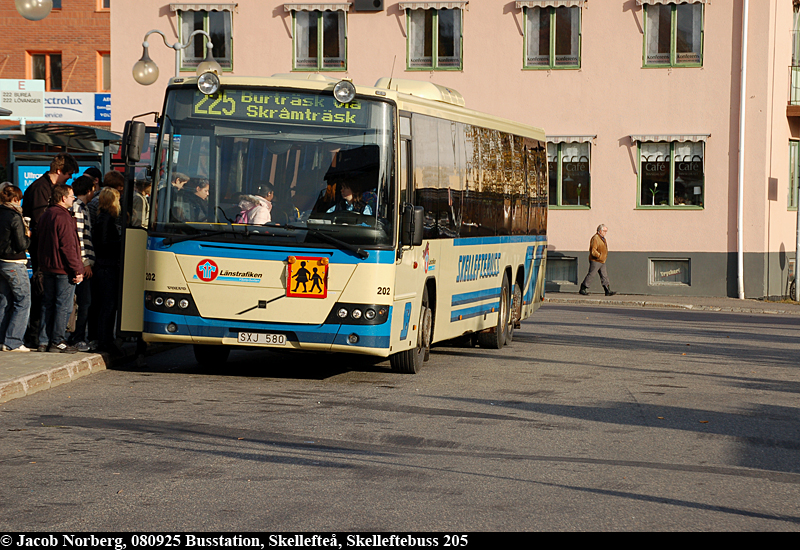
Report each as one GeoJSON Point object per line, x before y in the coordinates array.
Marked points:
{"type": "Point", "coordinates": [134, 237]}
{"type": "Point", "coordinates": [409, 278]}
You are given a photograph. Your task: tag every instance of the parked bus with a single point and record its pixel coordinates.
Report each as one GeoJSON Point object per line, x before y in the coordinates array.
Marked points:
{"type": "Point", "coordinates": [319, 215]}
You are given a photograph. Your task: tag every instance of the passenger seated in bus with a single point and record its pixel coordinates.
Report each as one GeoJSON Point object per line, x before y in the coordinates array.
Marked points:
{"type": "Point", "coordinates": [193, 200]}
{"type": "Point", "coordinates": [255, 209]}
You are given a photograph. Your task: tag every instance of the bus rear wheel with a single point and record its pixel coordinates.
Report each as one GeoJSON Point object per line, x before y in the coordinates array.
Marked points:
{"type": "Point", "coordinates": [211, 356]}
{"type": "Point", "coordinates": [495, 338]}
{"type": "Point", "coordinates": [410, 361]}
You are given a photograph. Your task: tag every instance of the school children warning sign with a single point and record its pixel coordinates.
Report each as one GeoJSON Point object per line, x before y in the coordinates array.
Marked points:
{"type": "Point", "coordinates": [307, 277]}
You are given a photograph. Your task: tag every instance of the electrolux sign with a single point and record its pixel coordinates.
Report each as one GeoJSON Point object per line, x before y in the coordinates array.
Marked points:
{"type": "Point", "coordinates": [77, 107]}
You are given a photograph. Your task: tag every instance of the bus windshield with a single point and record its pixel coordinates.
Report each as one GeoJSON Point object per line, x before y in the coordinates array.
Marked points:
{"type": "Point", "coordinates": [275, 166]}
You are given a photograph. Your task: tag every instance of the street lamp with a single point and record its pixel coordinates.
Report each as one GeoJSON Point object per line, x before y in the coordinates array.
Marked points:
{"type": "Point", "coordinates": [145, 71]}
{"type": "Point", "coordinates": [34, 10]}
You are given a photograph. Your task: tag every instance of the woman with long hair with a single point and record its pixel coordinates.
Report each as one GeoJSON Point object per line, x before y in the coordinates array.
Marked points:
{"type": "Point", "coordinates": [15, 287]}
{"type": "Point", "coordinates": [107, 248]}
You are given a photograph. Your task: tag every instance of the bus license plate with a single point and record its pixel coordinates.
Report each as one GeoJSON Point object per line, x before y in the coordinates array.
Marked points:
{"type": "Point", "coordinates": [262, 338]}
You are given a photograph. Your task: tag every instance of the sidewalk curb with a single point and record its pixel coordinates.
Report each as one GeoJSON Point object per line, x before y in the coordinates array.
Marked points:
{"type": "Point", "coordinates": [668, 305]}
{"type": "Point", "coordinates": [50, 378]}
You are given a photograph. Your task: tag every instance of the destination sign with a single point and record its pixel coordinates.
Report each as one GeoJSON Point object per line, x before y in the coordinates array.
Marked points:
{"type": "Point", "coordinates": [282, 107]}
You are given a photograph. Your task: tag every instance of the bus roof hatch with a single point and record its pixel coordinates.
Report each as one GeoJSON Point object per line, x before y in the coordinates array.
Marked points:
{"type": "Point", "coordinates": [427, 90]}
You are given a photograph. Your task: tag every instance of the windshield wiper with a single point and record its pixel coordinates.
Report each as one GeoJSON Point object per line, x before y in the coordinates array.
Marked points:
{"type": "Point", "coordinates": [360, 252]}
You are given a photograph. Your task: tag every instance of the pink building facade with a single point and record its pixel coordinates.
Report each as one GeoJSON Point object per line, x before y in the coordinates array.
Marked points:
{"type": "Point", "coordinates": [640, 100]}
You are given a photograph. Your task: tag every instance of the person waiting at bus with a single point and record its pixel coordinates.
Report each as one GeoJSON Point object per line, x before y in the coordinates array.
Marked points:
{"type": "Point", "coordinates": [105, 279]}
{"type": "Point", "coordinates": [255, 209]}
{"type": "Point", "coordinates": [194, 200]}
{"type": "Point", "coordinates": [141, 203]}
{"type": "Point", "coordinates": [178, 181]}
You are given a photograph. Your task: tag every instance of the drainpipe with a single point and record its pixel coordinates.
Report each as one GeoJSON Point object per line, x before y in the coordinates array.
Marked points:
{"type": "Point", "coordinates": [740, 205]}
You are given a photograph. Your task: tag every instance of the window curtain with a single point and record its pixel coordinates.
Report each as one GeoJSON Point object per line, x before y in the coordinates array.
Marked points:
{"type": "Point", "coordinates": [658, 28]}
{"type": "Point", "coordinates": [193, 54]}
{"type": "Point", "coordinates": [421, 38]}
{"type": "Point", "coordinates": [333, 39]}
{"type": "Point", "coordinates": [567, 35]}
{"type": "Point", "coordinates": [538, 22]}
{"type": "Point", "coordinates": [449, 35]}
{"type": "Point", "coordinates": [305, 37]}
{"type": "Point", "coordinates": [688, 36]}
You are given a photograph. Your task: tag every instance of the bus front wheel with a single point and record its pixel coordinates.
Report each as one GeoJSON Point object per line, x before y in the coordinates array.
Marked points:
{"type": "Point", "coordinates": [211, 356]}
{"type": "Point", "coordinates": [410, 361]}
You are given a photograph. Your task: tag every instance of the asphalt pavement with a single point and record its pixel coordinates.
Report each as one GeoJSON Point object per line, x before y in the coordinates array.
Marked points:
{"type": "Point", "coordinates": [22, 374]}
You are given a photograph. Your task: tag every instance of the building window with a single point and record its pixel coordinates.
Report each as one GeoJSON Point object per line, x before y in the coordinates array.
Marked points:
{"type": "Point", "coordinates": [320, 40]}
{"type": "Point", "coordinates": [570, 179]}
{"type": "Point", "coordinates": [562, 271]}
{"type": "Point", "coordinates": [794, 173]}
{"type": "Point", "coordinates": [104, 62]}
{"type": "Point", "coordinates": [218, 25]}
{"type": "Point", "coordinates": [671, 174]}
{"type": "Point", "coordinates": [552, 37]}
{"type": "Point", "coordinates": [670, 271]}
{"type": "Point", "coordinates": [56, 4]}
{"type": "Point", "coordinates": [47, 67]}
{"type": "Point", "coordinates": [434, 38]}
{"type": "Point", "coordinates": [673, 35]}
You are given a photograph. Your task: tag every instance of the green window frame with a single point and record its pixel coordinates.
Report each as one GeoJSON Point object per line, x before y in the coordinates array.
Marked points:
{"type": "Point", "coordinates": [219, 25]}
{"type": "Point", "coordinates": [569, 166]}
{"type": "Point", "coordinates": [319, 40]}
{"type": "Point", "coordinates": [673, 35]}
{"type": "Point", "coordinates": [671, 175]}
{"type": "Point", "coordinates": [794, 173]}
{"type": "Point", "coordinates": [552, 38]}
{"type": "Point", "coordinates": [434, 30]}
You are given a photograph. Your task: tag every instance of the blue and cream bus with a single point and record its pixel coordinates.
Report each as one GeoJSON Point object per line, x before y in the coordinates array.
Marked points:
{"type": "Point", "coordinates": [397, 218]}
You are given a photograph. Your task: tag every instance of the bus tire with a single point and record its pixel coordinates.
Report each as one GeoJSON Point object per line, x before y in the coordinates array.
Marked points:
{"type": "Point", "coordinates": [211, 356]}
{"type": "Point", "coordinates": [410, 361]}
{"type": "Point", "coordinates": [516, 312]}
{"type": "Point", "coordinates": [495, 338]}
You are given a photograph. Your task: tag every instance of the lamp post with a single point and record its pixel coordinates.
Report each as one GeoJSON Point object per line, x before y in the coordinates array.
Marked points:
{"type": "Point", "coordinates": [34, 10]}
{"type": "Point", "coordinates": [145, 71]}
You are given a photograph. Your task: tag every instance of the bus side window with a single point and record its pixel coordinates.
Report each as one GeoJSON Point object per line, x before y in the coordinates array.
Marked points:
{"type": "Point", "coordinates": [405, 151]}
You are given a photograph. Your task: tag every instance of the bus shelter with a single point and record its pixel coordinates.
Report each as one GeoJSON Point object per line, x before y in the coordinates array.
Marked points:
{"type": "Point", "coordinates": [29, 154]}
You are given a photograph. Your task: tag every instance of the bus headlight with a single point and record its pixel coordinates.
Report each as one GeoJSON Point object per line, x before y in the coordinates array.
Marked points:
{"type": "Point", "coordinates": [208, 83]}
{"type": "Point", "coordinates": [169, 302]}
{"type": "Point", "coordinates": [344, 91]}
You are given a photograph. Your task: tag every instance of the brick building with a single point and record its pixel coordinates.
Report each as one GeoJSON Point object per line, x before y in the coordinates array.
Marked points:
{"type": "Point", "coordinates": [70, 51]}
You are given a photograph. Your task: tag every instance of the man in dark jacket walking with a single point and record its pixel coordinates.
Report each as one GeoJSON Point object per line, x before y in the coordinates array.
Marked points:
{"type": "Point", "coordinates": [62, 268]}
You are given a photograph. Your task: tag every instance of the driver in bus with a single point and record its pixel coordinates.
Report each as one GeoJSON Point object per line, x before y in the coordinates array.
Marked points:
{"type": "Point", "coordinates": [353, 200]}
{"type": "Point", "coordinates": [352, 179]}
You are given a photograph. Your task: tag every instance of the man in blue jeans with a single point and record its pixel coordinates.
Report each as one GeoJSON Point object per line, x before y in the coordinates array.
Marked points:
{"type": "Point", "coordinates": [62, 268]}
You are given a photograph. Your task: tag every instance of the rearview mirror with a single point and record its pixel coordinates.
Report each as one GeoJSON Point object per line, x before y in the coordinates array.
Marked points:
{"type": "Point", "coordinates": [413, 224]}
{"type": "Point", "coordinates": [133, 141]}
